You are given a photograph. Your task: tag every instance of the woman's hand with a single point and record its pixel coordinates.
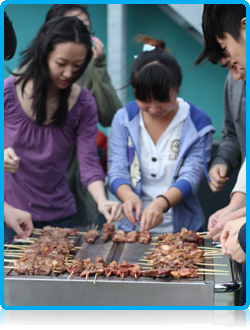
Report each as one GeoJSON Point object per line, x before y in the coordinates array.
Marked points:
{"type": "Point", "coordinates": [98, 49]}
{"type": "Point", "coordinates": [11, 161]}
{"type": "Point", "coordinates": [133, 203]}
{"type": "Point", "coordinates": [111, 210]}
{"type": "Point", "coordinates": [18, 220]}
{"type": "Point", "coordinates": [152, 215]}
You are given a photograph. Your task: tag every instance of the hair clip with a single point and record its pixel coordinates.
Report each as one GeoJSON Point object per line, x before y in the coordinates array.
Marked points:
{"type": "Point", "coordinates": [146, 48]}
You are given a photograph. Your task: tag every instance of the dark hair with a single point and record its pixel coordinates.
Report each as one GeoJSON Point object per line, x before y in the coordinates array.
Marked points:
{"type": "Point", "coordinates": [154, 73]}
{"type": "Point", "coordinates": [216, 20]}
{"type": "Point", "coordinates": [60, 10]}
{"type": "Point", "coordinates": [55, 31]}
{"type": "Point", "coordinates": [10, 41]}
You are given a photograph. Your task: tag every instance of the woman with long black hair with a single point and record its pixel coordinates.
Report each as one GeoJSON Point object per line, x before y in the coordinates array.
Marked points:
{"type": "Point", "coordinates": [45, 114]}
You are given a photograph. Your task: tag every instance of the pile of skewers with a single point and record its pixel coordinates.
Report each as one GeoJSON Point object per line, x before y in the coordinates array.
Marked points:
{"type": "Point", "coordinates": [117, 235]}
{"type": "Point", "coordinates": [46, 254]}
{"type": "Point", "coordinates": [178, 255]}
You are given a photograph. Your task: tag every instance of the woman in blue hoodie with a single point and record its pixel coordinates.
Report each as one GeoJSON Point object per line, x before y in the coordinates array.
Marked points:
{"type": "Point", "coordinates": [160, 145]}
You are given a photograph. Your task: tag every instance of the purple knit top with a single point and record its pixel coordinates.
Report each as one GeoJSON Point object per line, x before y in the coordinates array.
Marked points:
{"type": "Point", "coordinates": [40, 185]}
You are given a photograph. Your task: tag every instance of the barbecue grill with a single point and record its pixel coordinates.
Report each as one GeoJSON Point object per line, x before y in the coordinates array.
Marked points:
{"type": "Point", "coordinates": [58, 290]}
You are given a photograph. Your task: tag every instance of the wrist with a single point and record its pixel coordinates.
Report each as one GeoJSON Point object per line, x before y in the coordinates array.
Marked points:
{"type": "Point", "coordinates": [237, 201]}
{"type": "Point", "coordinates": [163, 202]}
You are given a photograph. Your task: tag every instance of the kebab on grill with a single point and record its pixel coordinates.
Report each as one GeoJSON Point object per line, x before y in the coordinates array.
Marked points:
{"type": "Point", "coordinates": [107, 231]}
{"type": "Point", "coordinates": [119, 235]}
{"type": "Point", "coordinates": [144, 237]}
{"type": "Point", "coordinates": [92, 235]}
{"type": "Point", "coordinates": [132, 236]}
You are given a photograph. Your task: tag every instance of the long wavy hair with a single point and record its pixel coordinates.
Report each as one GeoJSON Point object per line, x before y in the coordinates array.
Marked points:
{"type": "Point", "coordinates": [154, 74]}
{"type": "Point", "coordinates": [55, 31]}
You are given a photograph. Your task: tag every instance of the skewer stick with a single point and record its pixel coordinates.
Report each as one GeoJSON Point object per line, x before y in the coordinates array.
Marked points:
{"type": "Point", "coordinates": [212, 257]}
{"type": "Point", "coordinates": [208, 248]}
{"type": "Point", "coordinates": [212, 270]}
{"type": "Point", "coordinates": [122, 275]}
{"type": "Point", "coordinates": [19, 240]}
{"type": "Point", "coordinates": [203, 232]}
{"type": "Point", "coordinates": [135, 276]}
{"type": "Point", "coordinates": [10, 267]}
{"type": "Point", "coordinates": [82, 232]}
{"type": "Point", "coordinates": [109, 273]}
{"type": "Point", "coordinates": [153, 244]}
{"type": "Point", "coordinates": [86, 277]}
{"type": "Point", "coordinates": [9, 260]}
{"type": "Point", "coordinates": [200, 263]}
{"type": "Point", "coordinates": [79, 247]}
{"type": "Point", "coordinates": [212, 254]}
{"type": "Point", "coordinates": [23, 247]}
{"type": "Point", "coordinates": [70, 275]}
{"type": "Point", "coordinates": [96, 227]}
{"type": "Point", "coordinates": [95, 277]}
{"type": "Point", "coordinates": [211, 274]}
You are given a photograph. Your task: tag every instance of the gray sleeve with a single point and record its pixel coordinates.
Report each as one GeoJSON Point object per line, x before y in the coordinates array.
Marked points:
{"type": "Point", "coordinates": [228, 152]}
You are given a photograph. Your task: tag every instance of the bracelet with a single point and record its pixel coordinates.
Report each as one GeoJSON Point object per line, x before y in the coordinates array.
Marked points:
{"type": "Point", "coordinates": [167, 202]}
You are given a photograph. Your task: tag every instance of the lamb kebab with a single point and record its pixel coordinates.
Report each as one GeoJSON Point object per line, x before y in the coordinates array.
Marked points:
{"type": "Point", "coordinates": [92, 235]}
{"type": "Point", "coordinates": [107, 231]}
{"type": "Point", "coordinates": [132, 237]}
{"type": "Point", "coordinates": [119, 236]}
{"type": "Point", "coordinates": [144, 237]}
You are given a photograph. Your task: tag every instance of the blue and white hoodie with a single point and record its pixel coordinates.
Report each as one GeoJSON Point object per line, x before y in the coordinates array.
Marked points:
{"type": "Point", "coordinates": [191, 164]}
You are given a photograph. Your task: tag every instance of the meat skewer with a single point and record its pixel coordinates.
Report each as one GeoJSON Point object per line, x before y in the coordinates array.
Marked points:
{"type": "Point", "coordinates": [132, 237]}
{"type": "Point", "coordinates": [91, 236]}
{"type": "Point", "coordinates": [144, 237]}
{"type": "Point", "coordinates": [107, 231]}
{"type": "Point", "coordinates": [119, 235]}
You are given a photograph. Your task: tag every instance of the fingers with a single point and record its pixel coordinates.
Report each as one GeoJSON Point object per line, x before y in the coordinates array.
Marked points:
{"type": "Point", "coordinates": [98, 49]}
{"type": "Point", "coordinates": [151, 219]}
{"type": "Point", "coordinates": [218, 177]}
{"type": "Point", "coordinates": [138, 211]}
{"type": "Point", "coordinates": [17, 228]}
{"type": "Point", "coordinates": [11, 161]}
{"type": "Point", "coordinates": [116, 213]}
{"type": "Point", "coordinates": [128, 208]}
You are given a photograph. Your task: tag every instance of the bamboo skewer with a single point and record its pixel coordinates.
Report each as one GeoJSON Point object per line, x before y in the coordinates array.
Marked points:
{"type": "Point", "coordinates": [70, 275]}
{"type": "Point", "coordinates": [9, 260]}
{"type": "Point", "coordinates": [212, 270]}
{"type": "Point", "coordinates": [95, 277]}
{"type": "Point", "coordinates": [210, 274]}
{"type": "Point", "coordinates": [200, 263]}
{"type": "Point", "coordinates": [109, 273]}
{"type": "Point", "coordinates": [23, 247]}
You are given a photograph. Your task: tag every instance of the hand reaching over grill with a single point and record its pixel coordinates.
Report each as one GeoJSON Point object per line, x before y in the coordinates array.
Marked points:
{"type": "Point", "coordinates": [111, 210]}
{"type": "Point", "coordinates": [133, 203]}
{"type": "Point", "coordinates": [152, 216]}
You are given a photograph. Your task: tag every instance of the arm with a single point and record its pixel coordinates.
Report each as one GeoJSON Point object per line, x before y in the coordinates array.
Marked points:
{"type": "Point", "coordinates": [229, 240]}
{"type": "Point", "coordinates": [228, 153]}
{"type": "Point", "coordinates": [186, 184]}
{"type": "Point", "coordinates": [18, 220]}
{"type": "Point", "coordinates": [234, 210]}
{"type": "Point", "coordinates": [91, 172]}
{"type": "Point", "coordinates": [105, 95]}
{"type": "Point", "coordinates": [119, 167]}
{"type": "Point", "coordinates": [97, 80]}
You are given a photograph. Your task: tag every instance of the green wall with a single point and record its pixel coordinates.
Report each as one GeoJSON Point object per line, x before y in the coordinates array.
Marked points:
{"type": "Point", "coordinates": [203, 86]}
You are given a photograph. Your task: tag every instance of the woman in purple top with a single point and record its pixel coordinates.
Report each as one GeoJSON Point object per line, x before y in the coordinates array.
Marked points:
{"type": "Point", "coordinates": [45, 114]}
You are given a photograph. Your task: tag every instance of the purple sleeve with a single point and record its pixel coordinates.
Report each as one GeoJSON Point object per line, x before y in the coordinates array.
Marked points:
{"type": "Point", "coordinates": [86, 133]}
